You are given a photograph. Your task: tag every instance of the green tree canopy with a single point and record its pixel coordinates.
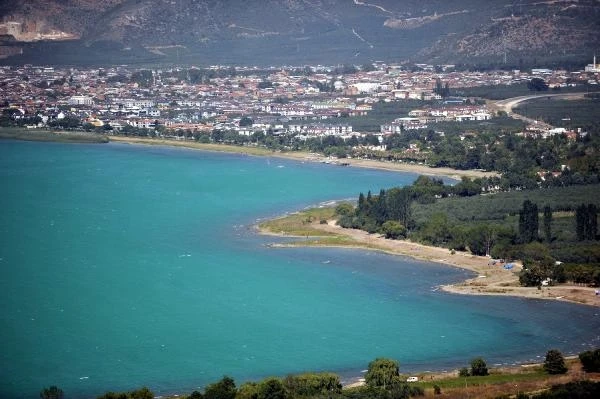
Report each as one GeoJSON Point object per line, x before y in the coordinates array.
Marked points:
{"type": "Point", "coordinates": [272, 388]}
{"type": "Point", "coordinates": [478, 367]}
{"type": "Point", "coordinates": [555, 362]}
{"type": "Point", "coordinates": [590, 360]}
{"type": "Point", "coordinates": [313, 384]}
{"type": "Point", "coordinates": [224, 389]}
{"type": "Point", "coordinates": [246, 121]}
{"type": "Point", "coordinates": [381, 372]}
{"type": "Point", "coordinates": [393, 229]}
{"type": "Point", "coordinates": [52, 392]}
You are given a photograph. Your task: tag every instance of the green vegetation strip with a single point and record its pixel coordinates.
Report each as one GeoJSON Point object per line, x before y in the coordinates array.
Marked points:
{"type": "Point", "coordinates": [500, 378]}
{"type": "Point", "coordinates": [46, 135]}
{"type": "Point", "coordinates": [249, 150]}
{"type": "Point", "coordinates": [299, 224]}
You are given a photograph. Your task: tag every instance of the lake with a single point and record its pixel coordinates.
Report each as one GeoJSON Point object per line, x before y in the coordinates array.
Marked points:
{"type": "Point", "coordinates": [126, 266]}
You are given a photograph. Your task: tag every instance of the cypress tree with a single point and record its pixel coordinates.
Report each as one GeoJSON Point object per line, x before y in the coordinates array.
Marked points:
{"type": "Point", "coordinates": [379, 210]}
{"type": "Point", "coordinates": [591, 224]}
{"type": "Point", "coordinates": [580, 218]}
{"type": "Point", "coordinates": [547, 223]}
{"type": "Point", "coordinates": [528, 222]}
{"type": "Point", "coordinates": [360, 209]}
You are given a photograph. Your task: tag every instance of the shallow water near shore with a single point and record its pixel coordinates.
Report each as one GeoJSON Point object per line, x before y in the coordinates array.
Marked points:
{"type": "Point", "coordinates": [124, 266]}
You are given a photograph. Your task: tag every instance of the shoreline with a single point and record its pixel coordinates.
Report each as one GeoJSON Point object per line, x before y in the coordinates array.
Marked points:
{"type": "Point", "coordinates": [59, 136]}
{"type": "Point", "coordinates": [490, 279]}
{"type": "Point", "coordinates": [306, 157]}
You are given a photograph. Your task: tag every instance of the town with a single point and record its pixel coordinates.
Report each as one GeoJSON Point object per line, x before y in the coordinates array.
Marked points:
{"type": "Point", "coordinates": [306, 102]}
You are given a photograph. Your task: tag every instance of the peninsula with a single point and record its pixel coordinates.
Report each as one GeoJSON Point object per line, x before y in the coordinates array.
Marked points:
{"type": "Point", "coordinates": [491, 278]}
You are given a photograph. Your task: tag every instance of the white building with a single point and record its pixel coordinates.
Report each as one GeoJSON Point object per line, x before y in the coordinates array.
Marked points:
{"type": "Point", "coordinates": [80, 100]}
{"type": "Point", "coordinates": [593, 68]}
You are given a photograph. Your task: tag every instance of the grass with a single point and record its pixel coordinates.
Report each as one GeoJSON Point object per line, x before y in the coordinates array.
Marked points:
{"type": "Point", "coordinates": [501, 92]}
{"type": "Point", "coordinates": [299, 224]}
{"type": "Point", "coordinates": [48, 135]}
{"type": "Point", "coordinates": [499, 206]}
{"type": "Point", "coordinates": [562, 113]}
{"type": "Point", "coordinates": [258, 151]}
{"type": "Point", "coordinates": [491, 379]}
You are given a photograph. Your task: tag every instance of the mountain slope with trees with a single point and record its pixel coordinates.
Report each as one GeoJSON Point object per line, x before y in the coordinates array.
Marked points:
{"type": "Point", "coordinates": [302, 31]}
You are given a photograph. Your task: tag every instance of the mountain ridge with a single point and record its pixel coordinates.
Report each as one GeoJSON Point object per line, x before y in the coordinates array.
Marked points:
{"type": "Point", "coordinates": [302, 30]}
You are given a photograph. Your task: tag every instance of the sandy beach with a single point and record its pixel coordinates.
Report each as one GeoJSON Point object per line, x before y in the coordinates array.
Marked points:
{"type": "Point", "coordinates": [490, 279]}
{"type": "Point", "coordinates": [307, 157]}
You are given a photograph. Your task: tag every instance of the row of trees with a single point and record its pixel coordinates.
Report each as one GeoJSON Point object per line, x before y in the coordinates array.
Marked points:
{"type": "Point", "coordinates": [390, 212]}
{"type": "Point", "coordinates": [382, 380]}
{"type": "Point", "coordinates": [529, 225]}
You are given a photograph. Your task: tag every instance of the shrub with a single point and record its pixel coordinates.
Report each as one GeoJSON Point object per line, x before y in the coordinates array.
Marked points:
{"type": "Point", "coordinates": [478, 367]}
{"type": "Point", "coordinates": [590, 360]}
{"type": "Point", "coordinates": [464, 372]}
{"type": "Point", "coordinates": [555, 362]}
{"type": "Point", "coordinates": [381, 372]}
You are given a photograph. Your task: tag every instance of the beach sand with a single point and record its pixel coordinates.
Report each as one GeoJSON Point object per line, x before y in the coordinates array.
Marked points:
{"type": "Point", "coordinates": [307, 157]}
{"type": "Point", "coordinates": [490, 279]}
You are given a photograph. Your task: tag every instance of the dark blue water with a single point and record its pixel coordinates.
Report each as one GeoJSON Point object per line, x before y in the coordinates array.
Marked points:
{"type": "Point", "coordinates": [125, 266]}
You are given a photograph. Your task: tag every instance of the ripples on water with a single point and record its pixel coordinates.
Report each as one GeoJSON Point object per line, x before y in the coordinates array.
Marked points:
{"type": "Point", "coordinates": [125, 266]}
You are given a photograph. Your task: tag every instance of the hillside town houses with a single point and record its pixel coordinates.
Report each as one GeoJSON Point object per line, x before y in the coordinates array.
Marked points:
{"type": "Point", "coordinates": [277, 100]}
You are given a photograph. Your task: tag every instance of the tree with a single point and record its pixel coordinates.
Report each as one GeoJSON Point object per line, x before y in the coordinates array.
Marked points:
{"type": "Point", "coordinates": [590, 360]}
{"type": "Point", "coordinates": [547, 223]}
{"type": "Point", "coordinates": [143, 78]}
{"type": "Point", "coordinates": [271, 388]}
{"type": "Point", "coordinates": [528, 222]}
{"type": "Point", "coordinates": [555, 362]}
{"type": "Point", "coordinates": [313, 384]}
{"type": "Point", "coordinates": [344, 209]}
{"type": "Point", "coordinates": [399, 205]}
{"type": "Point", "coordinates": [224, 389]}
{"type": "Point", "coordinates": [143, 393]}
{"type": "Point", "coordinates": [591, 226]}
{"type": "Point", "coordinates": [248, 390]}
{"type": "Point", "coordinates": [264, 84]}
{"type": "Point", "coordinates": [478, 367]}
{"type": "Point", "coordinates": [52, 392]}
{"type": "Point", "coordinates": [381, 372]}
{"type": "Point", "coordinates": [580, 219]}
{"type": "Point", "coordinates": [393, 229]}
{"type": "Point", "coordinates": [586, 219]}
{"type": "Point", "coordinates": [196, 395]}
{"type": "Point", "coordinates": [246, 121]}
{"type": "Point", "coordinates": [537, 84]}
{"type": "Point", "coordinates": [480, 239]}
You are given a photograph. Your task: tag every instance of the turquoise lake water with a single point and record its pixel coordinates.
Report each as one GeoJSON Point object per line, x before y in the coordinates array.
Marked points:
{"type": "Point", "coordinates": [124, 266]}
